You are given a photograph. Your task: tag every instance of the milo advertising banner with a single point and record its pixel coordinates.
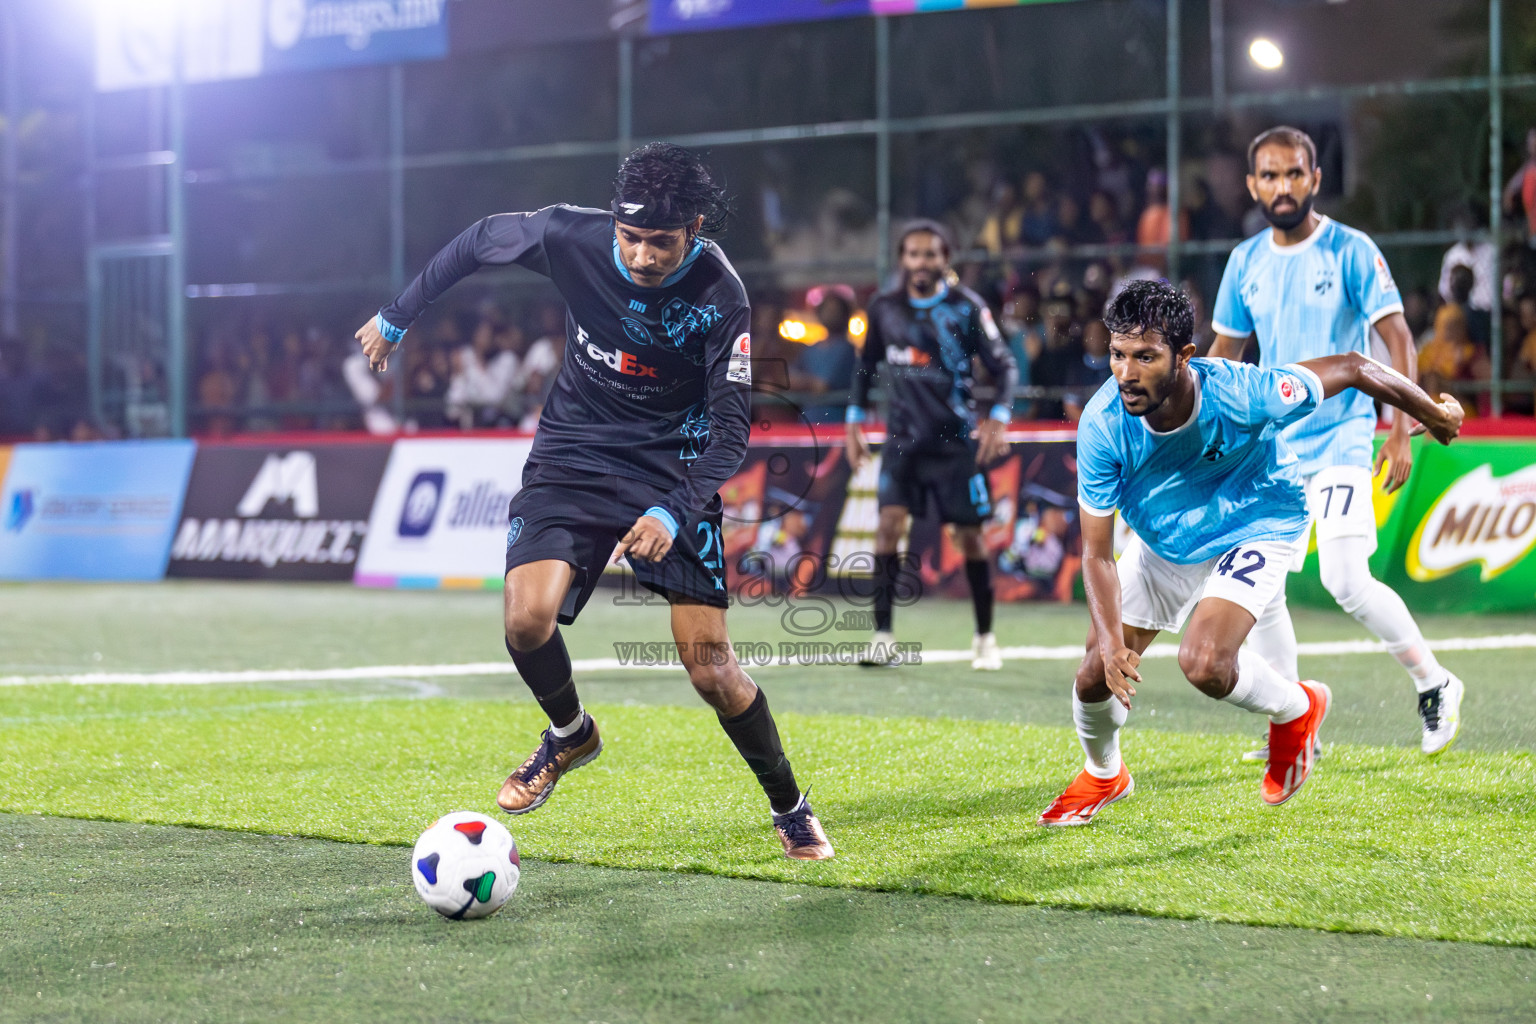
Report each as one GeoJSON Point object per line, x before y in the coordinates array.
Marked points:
{"type": "Point", "coordinates": [1460, 536]}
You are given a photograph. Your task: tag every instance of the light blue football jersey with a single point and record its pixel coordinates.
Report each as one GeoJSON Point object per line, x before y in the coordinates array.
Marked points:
{"type": "Point", "coordinates": [1225, 477]}
{"type": "Point", "coordinates": [1316, 298]}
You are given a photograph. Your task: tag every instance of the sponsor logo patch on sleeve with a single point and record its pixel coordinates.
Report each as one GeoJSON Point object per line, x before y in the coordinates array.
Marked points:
{"type": "Point", "coordinates": [1291, 389]}
{"type": "Point", "coordinates": [739, 369]}
{"type": "Point", "coordinates": [989, 325]}
{"type": "Point", "coordinates": [1383, 275]}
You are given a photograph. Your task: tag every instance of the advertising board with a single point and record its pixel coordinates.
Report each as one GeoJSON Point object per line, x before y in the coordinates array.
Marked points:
{"type": "Point", "coordinates": [288, 513]}
{"type": "Point", "coordinates": [440, 516]}
{"type": "Point", "coordinates": [94, 511]}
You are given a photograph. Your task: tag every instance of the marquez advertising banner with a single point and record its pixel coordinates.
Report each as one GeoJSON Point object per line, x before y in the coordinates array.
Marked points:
{"type": "Point", "coordinates": [94, 511]}
{"type": "Point", "coordinates": [279, 513]}
{"type": "Point", "coordinates": [440, 517]}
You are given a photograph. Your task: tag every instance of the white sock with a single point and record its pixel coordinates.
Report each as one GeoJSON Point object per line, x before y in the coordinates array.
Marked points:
{"type": "Point", "coordinates": [798, 804]}
{"type": "Point", "coordinates": [1376, 606]}
{"type": "Point", "coordinates": [1264, 691]}
{"type": "Point", "coordinates": [572, 727]}
{"type": "Point", "coordinates": [1098, 727]}
{"type": "Point", "coordinates": [1273, 638]}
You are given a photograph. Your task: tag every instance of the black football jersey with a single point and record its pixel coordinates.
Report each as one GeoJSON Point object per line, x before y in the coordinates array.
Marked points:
{"type": "Point", "coordinates": [927, 347]}
{"type": "Point", "coordinates": [655, 383]}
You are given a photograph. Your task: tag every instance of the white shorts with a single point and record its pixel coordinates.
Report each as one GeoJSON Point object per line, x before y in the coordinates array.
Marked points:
{"type": "Point", "coordinates": [1158, 594]}
{"type": "Point", "coordinates": [1340, 500]}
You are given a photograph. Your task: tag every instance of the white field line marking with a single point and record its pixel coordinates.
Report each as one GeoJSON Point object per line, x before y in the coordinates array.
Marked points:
{"type": "Point", "coordinates": [503, 668]}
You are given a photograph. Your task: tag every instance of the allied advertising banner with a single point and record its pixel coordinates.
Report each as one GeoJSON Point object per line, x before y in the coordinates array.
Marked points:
{"type": "Point", "coordinates": [440, 517]}
{"type": "Point", "coordinates": [96, 511]}
{"type": "Point", "coordinates": [282, 513]}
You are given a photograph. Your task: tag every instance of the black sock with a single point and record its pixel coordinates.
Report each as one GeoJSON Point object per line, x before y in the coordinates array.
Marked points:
{"type": "Point", "coordinates": [757, 740]}
{"type": "Point", "coordinates": [886, 568]}
{"type": "Point", "coordinates": [978, 573]}
{"type": "Point", "coordinates": [547, 671]}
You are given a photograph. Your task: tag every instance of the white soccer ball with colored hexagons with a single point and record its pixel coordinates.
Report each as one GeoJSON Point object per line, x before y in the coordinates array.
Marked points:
{"type": "Point", "coordinates": [465, 865]}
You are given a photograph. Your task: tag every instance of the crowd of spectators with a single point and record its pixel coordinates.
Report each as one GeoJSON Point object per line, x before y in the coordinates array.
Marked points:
{"type": "Point", "coordinates": [477, 369]}
{"type": "Point", "coordinates": [1045, 248]}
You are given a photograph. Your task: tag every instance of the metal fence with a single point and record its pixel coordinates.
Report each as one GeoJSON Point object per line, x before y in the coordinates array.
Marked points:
{"type": "Point", "coordinates": [230, 211]}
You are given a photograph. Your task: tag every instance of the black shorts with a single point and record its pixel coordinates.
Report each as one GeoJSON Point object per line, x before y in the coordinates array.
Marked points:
{"type": "Point", "coordinates": [578, 517]}
{"type": "Point", "coordinates": [958, 487]}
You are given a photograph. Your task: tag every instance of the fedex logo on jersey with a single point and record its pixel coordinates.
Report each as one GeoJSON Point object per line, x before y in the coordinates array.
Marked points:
{"type": "Point", "coordinates": [908, 356]}
{"type": "Point", "coordinates": [1291, 390]}
{"type": "Point", "coordinates": [618, 361]}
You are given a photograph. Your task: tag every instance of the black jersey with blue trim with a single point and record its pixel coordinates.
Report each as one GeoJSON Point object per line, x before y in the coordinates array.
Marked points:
{"type": "Point", "coordinates": [927, 346]}
{"type": "Point", "coordinates": [655, 383]}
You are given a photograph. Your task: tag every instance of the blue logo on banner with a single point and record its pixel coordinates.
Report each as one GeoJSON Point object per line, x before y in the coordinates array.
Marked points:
{"type": "Point", "coordinates": [421, 501]}
{"type": "Point", "coordinates": [20, 511]}
{"type": "Point", "coordinates": [514, 531]}
{"type": "Point", "coordinates": [95, 511]}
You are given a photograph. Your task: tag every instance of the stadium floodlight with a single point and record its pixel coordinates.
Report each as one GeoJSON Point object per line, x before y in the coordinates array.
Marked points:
{"type": "Point", "coordinates": [1266, 54]}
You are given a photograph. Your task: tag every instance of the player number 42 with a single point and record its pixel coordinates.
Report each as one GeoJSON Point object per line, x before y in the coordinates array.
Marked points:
{"type": "Point", "coordinates": [1253, 561]}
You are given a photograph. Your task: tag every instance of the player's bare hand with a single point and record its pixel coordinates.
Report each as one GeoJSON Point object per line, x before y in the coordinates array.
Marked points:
{"type": "Point", "coordinates": [1448, 424]}
{"type": "Point", "coordinates": [991, 442]}
{"type": "Point", "coordinates": [1120, 670]}
{"type": "Point", "coordinates": [375, 346]}
{"type": "Point", "coordinates": [857, 449]}
{"type": "Point", "coordinates": [1397, 453]}
{"type": "Point", "coordinates": [648, 540]}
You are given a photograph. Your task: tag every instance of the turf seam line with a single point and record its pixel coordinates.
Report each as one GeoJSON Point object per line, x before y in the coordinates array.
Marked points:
{"type": "Point", "coordinates": [501, 668]}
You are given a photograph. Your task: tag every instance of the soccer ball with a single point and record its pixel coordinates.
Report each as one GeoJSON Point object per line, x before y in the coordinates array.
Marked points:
{"type": "Point", "coordinates": [465, 865]}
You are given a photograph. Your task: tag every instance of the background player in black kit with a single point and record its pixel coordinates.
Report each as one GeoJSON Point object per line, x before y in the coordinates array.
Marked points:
{"type": "Point", "coordinates": [648, 416]}
{"type": "Point", "coordinates": [927, 332]}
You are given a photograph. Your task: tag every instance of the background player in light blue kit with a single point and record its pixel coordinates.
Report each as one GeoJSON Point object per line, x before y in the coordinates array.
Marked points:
{"type": "Point", "coordinates": [1312, 287]}
{"type": "Point", "coordinates": [1190, 453]}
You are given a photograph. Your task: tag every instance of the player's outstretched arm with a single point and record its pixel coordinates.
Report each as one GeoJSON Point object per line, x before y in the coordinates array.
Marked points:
{"type": "Point", "coordinates": [1396, 451]}
{"type": "Point", "coordinates": [493, 241]}
{"type": "Point", "coordinates": [1102, 582]}
{"type": "Point", "coordinates": [1441, 419]}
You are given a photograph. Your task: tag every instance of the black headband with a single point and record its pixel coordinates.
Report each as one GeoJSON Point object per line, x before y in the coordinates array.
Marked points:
{"type": "Point", "coordinates": [650, 216]}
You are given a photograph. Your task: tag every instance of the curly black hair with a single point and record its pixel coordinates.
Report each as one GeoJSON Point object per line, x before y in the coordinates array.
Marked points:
{"type": "Point", "coordinates": [1152, 307]}
{"type": "Point", "coordinates": [661, 185]}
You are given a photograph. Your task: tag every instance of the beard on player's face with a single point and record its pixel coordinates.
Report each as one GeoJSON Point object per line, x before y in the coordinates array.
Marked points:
{"type": "Point", "coordinates": [1147, 396]}
{"type": "Point", "coordinates": [1144, 386]}
{"type": "Point", "coordinates": [1287, 212]}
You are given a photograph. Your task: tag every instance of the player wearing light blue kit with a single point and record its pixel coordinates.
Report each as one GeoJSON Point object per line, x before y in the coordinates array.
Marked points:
{"type": "Point", "coordinates": [1190, 452]}
{"type": "Point", "coordinates": [1201, 489]}
{"type": "Point", "coordinates": [1312, 287]}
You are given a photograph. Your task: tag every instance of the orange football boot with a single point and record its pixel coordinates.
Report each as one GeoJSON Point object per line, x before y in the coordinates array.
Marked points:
{"type": "Point", "coordinates": [1086, 797]}
{"type": "Point", "coordinates": [1293, 747]}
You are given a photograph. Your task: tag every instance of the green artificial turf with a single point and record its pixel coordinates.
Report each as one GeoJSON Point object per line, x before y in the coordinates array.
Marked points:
{"type": "Point", "coordinates": [102, 921]}
{"type": "Point", "coordinates": [1380, 841]}
{"type": "Point", "coordinates": [178, 625]}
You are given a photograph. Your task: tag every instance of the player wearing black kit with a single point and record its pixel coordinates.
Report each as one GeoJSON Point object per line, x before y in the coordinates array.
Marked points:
{"type": "Point", "coordinates": [926, 333]}
{"type": "Point", "coordinates": [648, 416]}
